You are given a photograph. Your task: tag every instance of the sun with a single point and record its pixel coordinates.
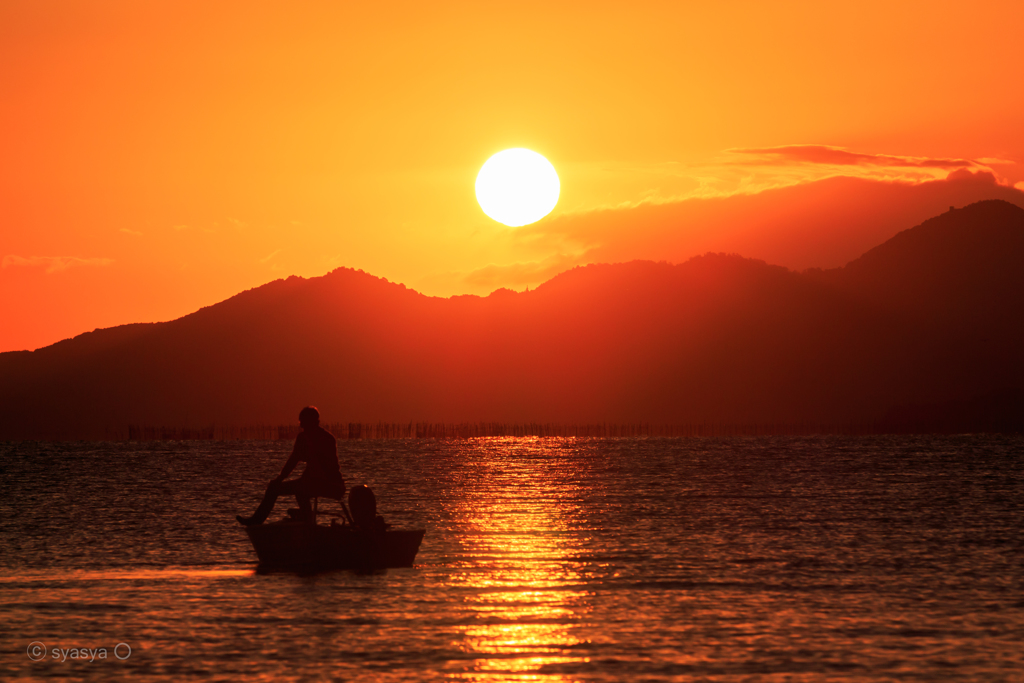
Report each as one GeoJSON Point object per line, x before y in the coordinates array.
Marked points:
{"type": "Point", "coordinates": [517, 187]}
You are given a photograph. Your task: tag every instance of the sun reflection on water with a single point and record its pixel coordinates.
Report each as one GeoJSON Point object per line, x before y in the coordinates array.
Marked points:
{"type": "Point", "coordinates": [524, 598]}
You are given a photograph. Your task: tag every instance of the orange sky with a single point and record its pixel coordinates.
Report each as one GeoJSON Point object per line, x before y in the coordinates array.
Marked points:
{"type": "Point", "coordinates": [162, 156]}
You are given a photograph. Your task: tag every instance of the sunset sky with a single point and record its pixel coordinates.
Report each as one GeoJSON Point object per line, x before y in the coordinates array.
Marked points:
{"type": "Point", "coordinates": [162, 156]}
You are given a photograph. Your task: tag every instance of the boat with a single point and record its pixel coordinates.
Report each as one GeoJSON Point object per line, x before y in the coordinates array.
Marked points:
{"type": "Point", "coordinates": [356, 539]}
{"type": "Point", "coordinates": [302, 545]}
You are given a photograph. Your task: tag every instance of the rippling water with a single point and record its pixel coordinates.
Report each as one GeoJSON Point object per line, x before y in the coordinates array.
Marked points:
{"type": "Point", "coordinates": [544, 560]}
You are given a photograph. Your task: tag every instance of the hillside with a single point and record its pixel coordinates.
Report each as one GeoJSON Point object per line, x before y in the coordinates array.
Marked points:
{"type": "Point", "coordinates": [929, 317]}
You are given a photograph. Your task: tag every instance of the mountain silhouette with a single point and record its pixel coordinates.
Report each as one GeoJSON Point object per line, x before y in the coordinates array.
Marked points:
{"type": "Point", "coordinates": [928, 320]}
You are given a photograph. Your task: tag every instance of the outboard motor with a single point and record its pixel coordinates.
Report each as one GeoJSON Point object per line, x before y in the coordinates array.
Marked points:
{"type": "Point", "coordinates": [363, 506]}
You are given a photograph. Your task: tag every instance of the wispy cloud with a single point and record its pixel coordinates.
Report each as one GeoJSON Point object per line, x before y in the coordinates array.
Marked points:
{"type": "Point", "coordinates": [520, 274]}
{"type": "Point", "coordinates": [838, 156]}
{"type": "Point", "coordinates": [130, 232]}
{"type": "Point", "coordinates": [750, 171]}
{"type": "Point", "coordinates": [270, 256]}
{"type": "Point", "coordinates": [821, 224]}
{"type": "Point", "coordinates": [53, 264]}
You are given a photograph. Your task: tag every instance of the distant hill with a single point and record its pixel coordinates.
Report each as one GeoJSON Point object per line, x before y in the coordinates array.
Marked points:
{"type": "Point", "coordinates": [930, 318]}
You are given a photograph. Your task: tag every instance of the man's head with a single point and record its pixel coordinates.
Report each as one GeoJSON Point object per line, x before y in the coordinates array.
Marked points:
{"type": "Point", "coordinates": [309, 417]}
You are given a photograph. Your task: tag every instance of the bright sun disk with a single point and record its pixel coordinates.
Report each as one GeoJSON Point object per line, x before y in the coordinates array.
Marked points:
{"type": "Point", "coordinates": [517, 187]}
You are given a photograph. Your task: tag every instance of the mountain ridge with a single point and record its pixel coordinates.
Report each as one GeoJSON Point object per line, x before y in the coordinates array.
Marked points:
{"type": "Point", "coordinates": [717, 337]}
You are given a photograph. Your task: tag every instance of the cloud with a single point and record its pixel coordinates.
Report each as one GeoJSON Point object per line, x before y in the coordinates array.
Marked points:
{"type": "Point", "coordinates": [823, 224]}
{"type": "Point", "coordinates": [838, 156]}
{"type": "Point", "coordinates": [53, 264]}
{"type": "Point", "coordinates": [606, 185]}
{"type": "Point", "coordinates": [270, 256]}
{"type": "Point", "coordinates": [520, 274]}
{"type": "Point", "coordinates": [130, 232]}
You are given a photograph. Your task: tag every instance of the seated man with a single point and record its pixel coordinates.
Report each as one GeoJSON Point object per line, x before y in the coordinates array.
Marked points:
{"type": "Point", "coordinates": [319, 450]}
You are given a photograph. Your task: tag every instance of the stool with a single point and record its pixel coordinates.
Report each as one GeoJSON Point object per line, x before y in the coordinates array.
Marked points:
{"type": "Point", "coordinates": [344, 510]}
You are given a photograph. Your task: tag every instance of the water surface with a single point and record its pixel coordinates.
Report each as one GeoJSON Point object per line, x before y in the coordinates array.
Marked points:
{"type": "Point", "coordinates": [545, 559]}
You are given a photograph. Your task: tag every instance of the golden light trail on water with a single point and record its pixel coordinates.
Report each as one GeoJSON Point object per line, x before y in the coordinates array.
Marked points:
{"type": "Point", "coordinates": [526, 606]}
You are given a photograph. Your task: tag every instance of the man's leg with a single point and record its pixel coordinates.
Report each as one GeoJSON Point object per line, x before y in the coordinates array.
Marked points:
{"type": "Point", "coordinates": [274, 489]}
{"type": "Point", "coordinates": [303, 495]}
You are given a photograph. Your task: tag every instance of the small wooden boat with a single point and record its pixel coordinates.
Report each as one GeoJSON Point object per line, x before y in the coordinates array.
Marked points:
{"type": "Point", "coordinates": [300, 545]}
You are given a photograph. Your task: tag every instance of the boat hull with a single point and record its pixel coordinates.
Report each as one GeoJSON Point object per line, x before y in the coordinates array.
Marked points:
{"type": "Point", "coordinates": [295, 545]}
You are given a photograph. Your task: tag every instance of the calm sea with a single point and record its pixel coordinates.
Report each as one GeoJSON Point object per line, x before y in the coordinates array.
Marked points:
{"type": "Point", "coordinates": [544, 560]}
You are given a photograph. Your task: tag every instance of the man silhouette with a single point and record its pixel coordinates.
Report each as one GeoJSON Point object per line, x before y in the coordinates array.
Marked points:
{"type": "Point", "coordinates": [318, 448]}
